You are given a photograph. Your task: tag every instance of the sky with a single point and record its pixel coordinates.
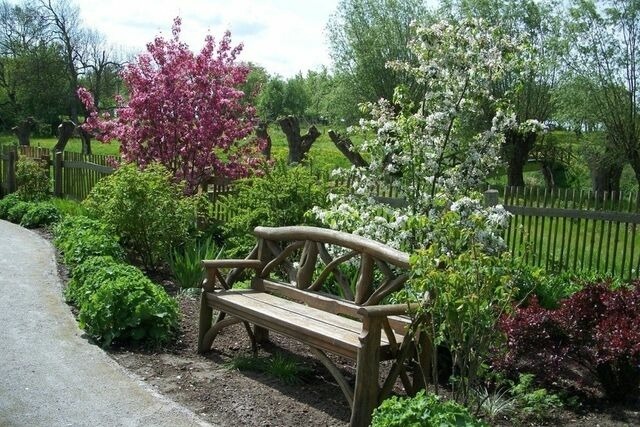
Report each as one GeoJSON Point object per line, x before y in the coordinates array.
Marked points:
{"type": "Point", "coordinates": [283, 36]}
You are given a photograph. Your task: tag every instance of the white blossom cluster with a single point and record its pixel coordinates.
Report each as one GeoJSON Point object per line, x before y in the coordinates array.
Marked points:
{"type": "Point", "coordinates": [422, 151]}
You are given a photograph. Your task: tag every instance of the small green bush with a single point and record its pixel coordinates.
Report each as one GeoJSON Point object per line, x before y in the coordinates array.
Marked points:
{"type": "Point", "coordinates": [90, 274]}
{"type": "Point", "coordinates": [40, 214]}
{"type": "Point", "coordinates": [32, 179]}
{"type": "Point", "coordinates": [6, 203]}
{"type": "Point", "coordinates": [423, 410]}
{"type": "Point", "coordinates": [129, 308]}
{"type": "Point", "coordinates": [17, 211]}
{"type": "Point", "coordinates": [79, 238]}
{"type": "Point", "coordinates": [147, 210]}
{"type": "Point", "coordinates": [283, 196]}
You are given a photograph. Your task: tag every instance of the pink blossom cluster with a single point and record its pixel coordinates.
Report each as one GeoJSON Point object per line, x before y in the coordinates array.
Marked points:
{"type": "Point", "coordinates": [184, 111]}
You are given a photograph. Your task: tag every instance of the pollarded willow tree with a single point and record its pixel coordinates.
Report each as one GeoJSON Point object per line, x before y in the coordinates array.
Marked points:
{"type": "Point", "coordinates": [184, 111]}
{"type": "Point", "coordinates": [605, 42]}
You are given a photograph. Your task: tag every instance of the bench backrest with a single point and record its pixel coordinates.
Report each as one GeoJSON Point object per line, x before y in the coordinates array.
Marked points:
{"type": "Point", "coordinates": [296, 262]}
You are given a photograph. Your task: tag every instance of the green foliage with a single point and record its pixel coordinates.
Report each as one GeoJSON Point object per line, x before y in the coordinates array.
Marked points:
{"type": "Point", "coordinates": [129, 308]}
{"type": "Point", "coordinates": [146, 209]}
{"type": "Point", "coordinates": [17, 211]}
{"type": "Point", "coordinates": [184, 262]}
{"type": "Point", "coordinates": [423, 410]}
{"type": "Point", "coordinates": [68, 207]}
{"type": "Point", "coordinates": [32, 179]}
{"type": "Point", "coordinates": [465, 293]}
{"type": "Point", "coordinates": [91, 274]}
{"type": "Point", "coordinates": [40, 214]}
{"type": "Point", "coordinates": [281, 197]}
{"type": "Point", "coordinates": [79, 238]}
{"type": "Point", "coordinates": [279, 365]}
{"type": "Point", "coordinates": [8, 202]}
{"type": "Point", "coordinates": [534, 402]}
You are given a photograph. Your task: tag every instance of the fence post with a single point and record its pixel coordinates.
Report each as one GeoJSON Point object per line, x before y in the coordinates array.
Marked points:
{"type": "Point", "coordinates": [11, 172]}
{"type": "Point", "coordinates": [490, 197]}
{"type": "Point", "coordinates": [57, 174]}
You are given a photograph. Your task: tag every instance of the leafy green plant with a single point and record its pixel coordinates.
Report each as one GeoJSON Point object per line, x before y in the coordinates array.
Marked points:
{"type": "Point", "coordinates": [91, 274]}
{"type": "Point", "coordinates": [32, 179]}
{"type": "Point", "coordinates": [6, 203]}
{"type": "Point", "coordinates": [423, 410]}
{"type": "Point", "coordinates": [79, 238]}
{"type": "Point", "coordinates": [184, 262]}
{"type": "Point", "coordinates": [40, 214]}
{"type": "Point", "coordinates": [535, 402]}
{"type": "Point", "coordinates": [17, 211]}
{"type": "Point", "coordinates": [129, 308]}
{"type": "Point", "coordinates": [147, 210]}
{"type": "Point", "coordinates": [283, 196]}
{"type": "Point", "coordinates": [464, 292]}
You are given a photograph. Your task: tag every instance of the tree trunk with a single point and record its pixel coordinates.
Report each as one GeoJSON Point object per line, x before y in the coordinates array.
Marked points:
{"type": "Point", "coordinates": [346, 147]}
{"type": "Point", "coordinates": [606, 177]}
{"type": "Point", "coordinates": [23, 131]}
{"type": "Point", "coordinates": [262, 133]}
{"type": "Point", "coordinates": [555, 174]}
{"type": "Point", "coordinates": [65, 130]}
{"type": "Point", "coordinates": [299, 145]}
{"type": "Point", "coordinates": [515, 151]}
{"type": "Point", "coordinates": [85, 138]}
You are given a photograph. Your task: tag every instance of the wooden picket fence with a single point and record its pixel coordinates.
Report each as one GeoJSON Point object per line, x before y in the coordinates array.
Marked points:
{"type": "Point", "coordinates": [74, 174]}
{"type": "Point", "coordinates": [562, 229]}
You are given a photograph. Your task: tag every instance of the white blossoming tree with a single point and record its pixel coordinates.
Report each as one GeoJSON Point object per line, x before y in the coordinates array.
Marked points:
{"type": "Point", "coordinates": [423, 151]}
{"type": "Point", "coordinates": [426, 153]}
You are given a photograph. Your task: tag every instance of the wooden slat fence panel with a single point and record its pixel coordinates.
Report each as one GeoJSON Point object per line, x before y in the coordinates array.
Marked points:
{"type": "Point", "coordinates": [563, 230]}
{"type": "Point", "coordinates": [81, 173]}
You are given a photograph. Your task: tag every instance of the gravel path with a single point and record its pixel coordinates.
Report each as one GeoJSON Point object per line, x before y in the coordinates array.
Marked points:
{"type": "Point", "coordinates": [49, 374]}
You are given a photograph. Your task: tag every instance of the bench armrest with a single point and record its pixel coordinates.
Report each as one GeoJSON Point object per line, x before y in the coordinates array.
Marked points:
{"type": "Point", "coordinates": [232, 263]}
{"type": "Point", "coordinates": [212, 267]}
{"type": "Point", "coordinates": [387, 310]}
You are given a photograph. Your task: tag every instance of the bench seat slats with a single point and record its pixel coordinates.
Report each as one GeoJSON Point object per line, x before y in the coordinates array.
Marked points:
{"type": "Point", "coordinates": [327, 331]}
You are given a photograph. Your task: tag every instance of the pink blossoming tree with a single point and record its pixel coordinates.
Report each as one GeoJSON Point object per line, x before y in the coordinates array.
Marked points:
{"type": "Point", "coordinates": [183, 111]}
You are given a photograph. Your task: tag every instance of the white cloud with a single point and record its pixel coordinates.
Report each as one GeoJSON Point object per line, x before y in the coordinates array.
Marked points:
{"type": "Point", "coordinates": [284, 36]}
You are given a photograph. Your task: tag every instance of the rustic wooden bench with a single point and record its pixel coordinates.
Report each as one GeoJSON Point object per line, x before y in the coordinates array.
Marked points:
{"type": "Point", "coordinates": [290, 266]}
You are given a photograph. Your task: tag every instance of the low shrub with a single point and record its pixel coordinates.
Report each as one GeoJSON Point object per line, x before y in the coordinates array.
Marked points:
{"type": "Point", "coordinates": [283, 196]}
{"type": "Point", "coordinates": [40, 214]}
{"type": "Point", "coordinates": [423, 410]}
{"type": "Point", "coordinates": [79, 238]}
{"type": "Point", "coordinates": [32, 179]}
{"type": "Point", "coordinates": [128, 308]}
{"type": "Point", "coordinates": [69, 207]}
{"type": "Point", "coordinates": [6, 203]}
{"type": "Point", "coordinates": [17, 211]}
{"type": "Point", "coordinates": [597, 328]}
{"type": "Point", "coordinates": [88, 276]}
{"type": "Point", "coordinates": [146, 209]}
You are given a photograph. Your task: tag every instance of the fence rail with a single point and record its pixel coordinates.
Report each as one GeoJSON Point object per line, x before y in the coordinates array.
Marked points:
{"type": "Point", "coordinates": [74, 174]}
{"type": "Point", "coordinates": [575, 230]}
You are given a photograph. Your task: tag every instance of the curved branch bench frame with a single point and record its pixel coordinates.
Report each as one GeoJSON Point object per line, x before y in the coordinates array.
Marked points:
{"type": "Point", "coordinates": [357, 326]}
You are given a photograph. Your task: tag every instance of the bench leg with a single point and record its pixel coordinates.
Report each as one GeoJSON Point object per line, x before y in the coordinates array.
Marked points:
{"type": "Point", "coordinates": [367, 388]}
{"type": "Point", "coordinates": [261, 335]}
{"type": "Point", "coordinates": [206, 316]}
